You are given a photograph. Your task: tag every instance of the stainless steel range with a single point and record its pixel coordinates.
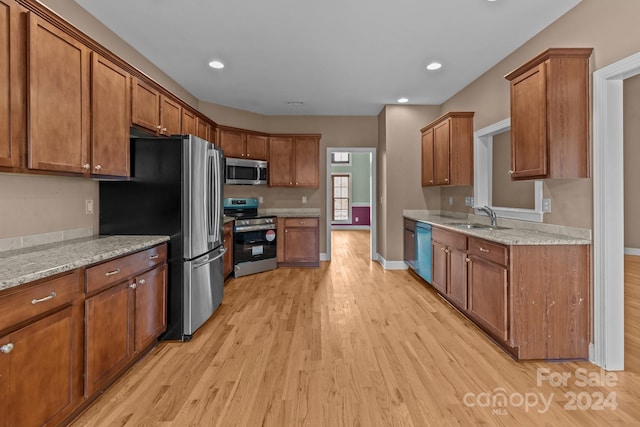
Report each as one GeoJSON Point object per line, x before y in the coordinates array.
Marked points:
{"type": "Point", "coordinates": [254, 237]}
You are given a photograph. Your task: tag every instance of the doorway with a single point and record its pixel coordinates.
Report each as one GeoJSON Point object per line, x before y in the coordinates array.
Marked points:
{"type": "Point", "coordinates": [347, 205]}
{"type": "Point", "coordinates": [608, 209]}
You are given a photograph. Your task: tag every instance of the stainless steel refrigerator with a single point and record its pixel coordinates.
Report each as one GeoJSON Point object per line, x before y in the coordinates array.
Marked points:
{"type": "Point", "coordinates": [175, 189]}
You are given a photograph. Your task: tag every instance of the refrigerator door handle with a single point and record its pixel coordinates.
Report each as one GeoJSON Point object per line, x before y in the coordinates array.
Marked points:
{"type": "Point", "coordinates": [209, 261]}
{"type": "Point", "coordinates": [210, 175]}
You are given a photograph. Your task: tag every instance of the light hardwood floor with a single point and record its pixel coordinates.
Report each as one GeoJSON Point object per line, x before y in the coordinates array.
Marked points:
{"type": "Point", "coordinates": [350, 344]}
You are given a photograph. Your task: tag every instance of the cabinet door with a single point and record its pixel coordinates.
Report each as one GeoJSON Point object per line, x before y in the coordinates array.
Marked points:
{"type": "Point", "coordinates": [528, 124]}
{"type": "Point", "coordinates": [306, 158]}
{"type": "Point", "coordinates": [151, 307]}
{"type": "Point", "coordinates": [188, 123]}
{"type": "Point", "coordinates": [37, 376]}
{"type": "Point", "coordinates": [440, 267]}
{"type": "Point", "coordinates": [457, 292]}
{"type": "Point", "coordinates": [145, 106]}
{"type": "Point", "coordinates": [427, 158]}
{"type": "Point", "coordinates": [488, 296]}
{"type": "Point", "coordinates": [170, 116]}
{"type": "Point", "coordinates": [232, 143]}
{"type": "Point", "coordinates": [11, 85]}
{"type": "Point", "coordinates": [301, 244]}
{"type": "Point", "coordinates": [228, 245]}
{"type": "Point", "coordinates": [441, 139]}
{"type": "Point", "coordinates": [110, 117]}
{"type": "Point", "coordinates": [281, 162]}
{"type": "Point", "coordinates": [203, 129]}
{"type": "Point", "coordinates": [58, 101]}
{"type": "Point", "coordinates": [256, 147]}
{"type": "Point", "coordinates": [108, 334]}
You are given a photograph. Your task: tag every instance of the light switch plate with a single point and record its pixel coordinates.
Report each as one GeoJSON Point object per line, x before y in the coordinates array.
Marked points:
{"type": "Point", "coordinates": [88, 207]}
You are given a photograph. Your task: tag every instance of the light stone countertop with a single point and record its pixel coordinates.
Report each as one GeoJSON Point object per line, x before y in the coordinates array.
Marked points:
{"type": "Point", "coordinates": [26, 265]}
{"type": "Point", "coordinates": [534, 234]}
{"type": "Point", "coordinates": [292, 212]}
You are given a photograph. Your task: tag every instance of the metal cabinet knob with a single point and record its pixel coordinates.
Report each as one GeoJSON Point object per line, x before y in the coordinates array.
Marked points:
{"type": "Point", "coordinates": [446, 180]}
{"type": "Point", "coordinates": [164, 129]}
{"type": "Point", "coordinates": [97, 167]}
{"type": "Point", "coordinates": [142, 281]}
{"type": "Point", "coordinates": [158, 127]}
{"type": "Point", "coordinates": [86, 166]}
{"type": "Point", "coordinates": [7, 348]}
{"type": "Point", "coordinates": [467, 260]}
{"type": "Point", "coordinates": [133, 285]}
{"type": "Point", "coordinates": [430, 181]}
{"type": "Point", "coordinates": [510, 172]}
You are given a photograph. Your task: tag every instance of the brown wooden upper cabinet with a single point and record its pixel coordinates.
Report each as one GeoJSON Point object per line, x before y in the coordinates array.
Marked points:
{"type": "Point", "coordinates": [154, 111]}
{"type": "Point", "coordinates": [203, 129]}
{"type": "Point", "coordinates": [447, 150]}
{"type": "Point", "coordinates": [188, 122]}
{"type": "Point", "coordinates": [294, 161]}
{"type": "Point", "coordinates": [550, 115]}
{"type": "Point", "coordinates": [12, 85]}
{"type": "Point", "coordinates": [58, 99]}
{"type": "Point", "coordinates": [110, 118]}
{"type": "Point", "coordinates": [244, 145]}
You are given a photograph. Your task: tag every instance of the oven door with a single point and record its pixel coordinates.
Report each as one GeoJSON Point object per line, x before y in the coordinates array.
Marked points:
{"type": "Point", "coordinates": [254, 243]}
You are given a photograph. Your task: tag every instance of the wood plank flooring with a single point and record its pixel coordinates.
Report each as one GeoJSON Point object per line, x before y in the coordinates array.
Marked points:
{"type": "Point", "coordinates": [350, 344]}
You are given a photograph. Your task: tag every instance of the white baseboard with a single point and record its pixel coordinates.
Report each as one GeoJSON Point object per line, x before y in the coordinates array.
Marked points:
{"type": "Point", "coordinates": [350, 227]}
{"type": "Point", "coordinates": [631, 251]}
{"type": "Point", "coordinates": [392, 265]}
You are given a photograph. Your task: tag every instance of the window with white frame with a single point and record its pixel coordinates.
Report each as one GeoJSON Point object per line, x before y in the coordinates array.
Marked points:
{"type": "Point", "coordinates": [341, 197]}
{"type": "Point", "coordinates": [338, 158]}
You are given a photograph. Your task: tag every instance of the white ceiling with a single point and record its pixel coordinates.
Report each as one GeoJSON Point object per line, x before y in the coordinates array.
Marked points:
{"type": "Point", "coordinates": [338, 57]}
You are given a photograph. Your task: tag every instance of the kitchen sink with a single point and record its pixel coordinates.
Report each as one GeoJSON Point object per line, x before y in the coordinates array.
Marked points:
{"type": "Point", "coordinates": [473, 226]}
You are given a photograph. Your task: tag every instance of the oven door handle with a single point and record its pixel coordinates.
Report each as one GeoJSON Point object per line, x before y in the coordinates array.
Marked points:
{"type": "Point", "coordinates": [222, 252]}
{"type": "Point", "coordinates": [255, 228]}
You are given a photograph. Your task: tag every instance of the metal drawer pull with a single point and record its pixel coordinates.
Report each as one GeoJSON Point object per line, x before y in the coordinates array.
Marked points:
{"type": "Point", "coordinates": [111, 273]}
{"type": "Point", "coordinates": [154, 256]}
{"type": "Point", "coordinates": [7, 348]}
{"type": "Point", "coordinates": [484, 250]}
{"type": "Point", "coordinates": [47, 298]}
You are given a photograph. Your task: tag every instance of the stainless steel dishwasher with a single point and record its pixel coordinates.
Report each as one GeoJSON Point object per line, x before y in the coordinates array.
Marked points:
{"type": "Point", "coordinates": [424, 251]}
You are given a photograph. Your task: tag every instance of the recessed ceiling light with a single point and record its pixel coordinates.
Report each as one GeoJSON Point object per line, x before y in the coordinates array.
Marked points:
{"type": "Point", "coordinates": [403, 100]}
{"type": "Point", "coordinates": [434, 66]}
{"type": "Point", "coordinates": [216, 64]}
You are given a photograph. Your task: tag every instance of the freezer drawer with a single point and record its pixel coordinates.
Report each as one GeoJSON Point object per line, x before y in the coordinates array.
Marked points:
{"type": "Point", "coordinates": [203, 290]}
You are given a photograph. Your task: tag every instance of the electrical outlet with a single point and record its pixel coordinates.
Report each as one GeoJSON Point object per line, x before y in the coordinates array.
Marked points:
{"type": "Point", "coordinates": [450, 200]}
{"type": "Point", "coordinates": [357, 219]}
{"type": "Point", "coordinates": [546, 205]}
{"type": "Point", "coordinates": [304, 200]}
{"type": "Point", "coordinates": [260, 200]}
{"type": "Point", "coordinates": [468, 201]}
{"type": "Point", "coordinates": [88, 207]}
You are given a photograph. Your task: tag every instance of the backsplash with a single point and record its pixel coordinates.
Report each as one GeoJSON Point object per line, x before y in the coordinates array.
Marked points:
{"type": "Point", "coordinates": [20, 242]}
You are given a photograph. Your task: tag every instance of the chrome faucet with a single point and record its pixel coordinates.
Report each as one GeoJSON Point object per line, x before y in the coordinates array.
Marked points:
{"type": "Point", "coordinates": [492, 215]}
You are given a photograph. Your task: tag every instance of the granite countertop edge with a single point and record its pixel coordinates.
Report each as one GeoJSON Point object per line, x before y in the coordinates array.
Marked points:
{"type": "Point", "coordinates": [511, 236]}
{"type": "Point", "coordinates": [292, 212]}
{"type": "Point", "coordinates": [26, 265]}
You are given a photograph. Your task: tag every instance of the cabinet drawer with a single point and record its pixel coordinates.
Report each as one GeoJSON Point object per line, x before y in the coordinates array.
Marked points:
{"type": "Point", "coordinates": [35, 300]}
{"type": "Point", "coordinates": [450, 239]}
{"type": "Point", "coordinates": [301, 222]}
{"type": "Point", "coordinates": [490, 251]}
{"type": "Point", "coordinates": [111, 272]}
{"type": "Point", "coordinates": [409, 224]}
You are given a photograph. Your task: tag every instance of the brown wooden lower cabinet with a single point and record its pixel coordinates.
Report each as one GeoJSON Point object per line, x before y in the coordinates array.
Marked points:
{"type": "Point", "coordinates": [41, 361]}
{"type": "Point", "coordinates": [228, 245]}
{"type": "Point", "coordinates": [298, 242]}
{"type": "Point", "coordinates": [533, 300]}
{"type": "Point", "coordinates": [123, 319]}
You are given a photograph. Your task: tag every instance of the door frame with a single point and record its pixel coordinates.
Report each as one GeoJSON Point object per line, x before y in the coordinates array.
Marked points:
{"type": "Point", "coordinates": [608, 212]}
{"type": "Point", "coordinates": [372, 188]}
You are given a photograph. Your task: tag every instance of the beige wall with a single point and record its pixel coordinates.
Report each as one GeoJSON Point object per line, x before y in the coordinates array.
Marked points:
{"type": "Point", "coordinates": [402, 179]}
{"type": "Point", "coordinates": [610, 27]}
{"type": "Point", "coordinates": [631, 162]}
{"type": "Point", "coordinates": [34, 204]}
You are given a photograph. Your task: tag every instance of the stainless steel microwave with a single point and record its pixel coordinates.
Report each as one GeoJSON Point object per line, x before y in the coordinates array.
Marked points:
{"type": "Point", "coordinates": [245, 171]}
